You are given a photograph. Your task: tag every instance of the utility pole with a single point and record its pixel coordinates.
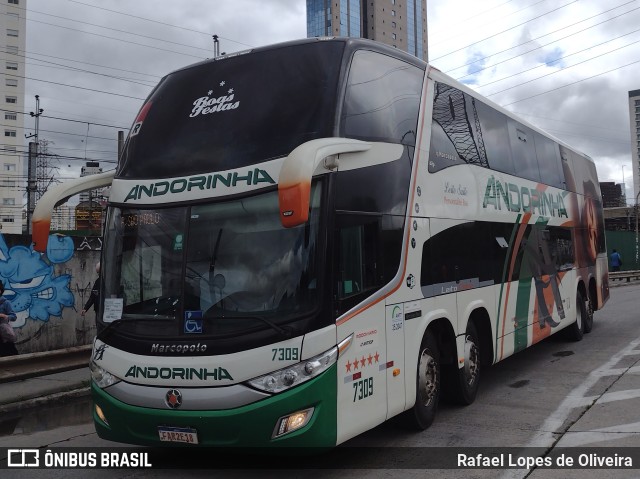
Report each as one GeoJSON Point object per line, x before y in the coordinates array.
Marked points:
{"type": "Point", "coordinates": [216, 46]}
{"type": "Point", "coordinates": [31, 166]}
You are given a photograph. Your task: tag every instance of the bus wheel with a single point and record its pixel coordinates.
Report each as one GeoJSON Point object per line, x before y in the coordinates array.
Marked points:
{"type": "Point", "coordinates": [588, 319]}
{"type": "Point", "coordinates": [427, 385]}
{"type": "Point", "coordinates": [463, 383]}
{"type": "Point", "coordinates": [576, 330]}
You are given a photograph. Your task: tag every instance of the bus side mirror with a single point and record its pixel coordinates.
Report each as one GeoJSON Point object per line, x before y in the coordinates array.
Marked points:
{"type": "Point", "coordinates": [294, 183]}
{"type": "Point", "coordinates": [41, 219]}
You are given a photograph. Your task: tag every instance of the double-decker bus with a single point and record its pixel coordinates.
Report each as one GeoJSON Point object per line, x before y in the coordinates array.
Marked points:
{"type": "Point", "coordinates": [305, 240]}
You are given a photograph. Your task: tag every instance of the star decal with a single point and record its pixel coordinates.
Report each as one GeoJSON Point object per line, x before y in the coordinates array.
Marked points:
{"type": "Point", "coordinates": [363, 361]}
{"type": "Point", "coordinates": [230, 91]}
{"type": "Point", "coordinates": [377, 356]}
{"type": "Point", "coordinates": [348, 365]}
{"type": "Point", "coordinates": [222, 83]}
{"type": "Point", "coordinates": [370, 359]}
{"type": "Point", "coordinates": [355, 363]}
{"type": "Point", "coordinates": [209, 92]}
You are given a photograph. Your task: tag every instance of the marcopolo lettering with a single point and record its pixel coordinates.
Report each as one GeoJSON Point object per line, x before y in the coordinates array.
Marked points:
{"type": "Point", "coordinates": [518, 199]}
{"type": "Point", "coordinates": [178, 348]}
{"type": "Point", "coordinates": [205, 182]}
{"type": "Point", "coordinates": [203, 374]}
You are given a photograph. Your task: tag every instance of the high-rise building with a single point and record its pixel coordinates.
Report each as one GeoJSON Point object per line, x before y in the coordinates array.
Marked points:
{"type": "Point", "coordinates": [634, 118]}
{"type": "Point", "coordinates": [612, 194]}
{"type": "Point", "coordinates": [90, 168]}
{"type": "Point", "coordinates": [399, 23]}
{"type": "Point", "coordinates": [12, 179]}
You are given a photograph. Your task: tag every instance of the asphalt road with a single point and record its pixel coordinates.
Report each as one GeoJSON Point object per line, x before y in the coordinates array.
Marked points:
{"type": "Point", "coordinates": [553, 395]}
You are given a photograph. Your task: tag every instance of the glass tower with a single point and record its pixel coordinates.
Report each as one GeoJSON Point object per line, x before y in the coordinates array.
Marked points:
{"type": "Point", "coordinates": [400, 24]}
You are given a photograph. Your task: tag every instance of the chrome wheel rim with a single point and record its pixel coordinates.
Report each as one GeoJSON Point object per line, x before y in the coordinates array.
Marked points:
{"type": "Point", "coordinates": [427, 378]}
{"type": "Point", "coordinates": [471, 360]}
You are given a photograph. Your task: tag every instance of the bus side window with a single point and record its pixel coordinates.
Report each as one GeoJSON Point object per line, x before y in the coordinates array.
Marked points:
{"type": "Point", "coordinates": [359, 267]}
{"type": "Point", "coordinates": [549, 163]}
{"type": "Point", "coordinates": [523, 151]}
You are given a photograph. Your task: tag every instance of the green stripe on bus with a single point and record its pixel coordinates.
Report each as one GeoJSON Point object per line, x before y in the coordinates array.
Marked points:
{"type": "Point", "coordinates": [505, 279]}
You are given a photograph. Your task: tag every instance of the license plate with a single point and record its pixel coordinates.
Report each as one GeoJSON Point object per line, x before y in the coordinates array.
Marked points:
{"type": "Point", "coordinates": [178, 434]}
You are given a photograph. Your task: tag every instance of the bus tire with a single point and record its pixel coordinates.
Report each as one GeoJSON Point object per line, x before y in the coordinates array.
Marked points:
{"type": "Point", "coordinates": [588, 320]}
{"type": "Point", "coordinates": [424, 410]}
{"type": "Point", "coordinates": [463, 383]}
{"type": "Point", "coordinates": [576, 330]}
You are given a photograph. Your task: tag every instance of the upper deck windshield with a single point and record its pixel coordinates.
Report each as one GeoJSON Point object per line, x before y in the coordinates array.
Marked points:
{"type": "Point", "coordinates": [233, 112]}
{"type": "Point", "coordinates": [230, 263]}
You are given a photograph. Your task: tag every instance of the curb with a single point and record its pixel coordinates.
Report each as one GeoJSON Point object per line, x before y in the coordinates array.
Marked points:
{"type": "Point", "coordinates": [44, 400]}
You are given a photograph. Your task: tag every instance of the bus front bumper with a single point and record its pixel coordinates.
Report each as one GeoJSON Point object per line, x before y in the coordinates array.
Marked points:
{"type": "Point", "coordinates": [252, 425]}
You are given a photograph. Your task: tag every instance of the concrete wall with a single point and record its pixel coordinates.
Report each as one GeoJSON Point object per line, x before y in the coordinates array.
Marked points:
{"type": "Point", "coordinates": [47, 291]}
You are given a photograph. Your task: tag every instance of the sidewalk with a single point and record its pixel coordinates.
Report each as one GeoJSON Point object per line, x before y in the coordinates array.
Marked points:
{"type": "Point", "coordinates": [27, 393]}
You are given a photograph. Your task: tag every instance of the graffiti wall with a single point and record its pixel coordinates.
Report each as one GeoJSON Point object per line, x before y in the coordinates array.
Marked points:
{"type": "Point", "coordinates": [47, 291]}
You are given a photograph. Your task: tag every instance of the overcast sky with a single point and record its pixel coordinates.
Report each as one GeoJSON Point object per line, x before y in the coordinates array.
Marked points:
{"type": "Point", "coordinates": [565, 66]}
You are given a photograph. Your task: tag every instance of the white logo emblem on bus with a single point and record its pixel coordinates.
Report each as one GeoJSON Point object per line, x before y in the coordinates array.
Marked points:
{"type": "Point", "coordinates": [212, 104]}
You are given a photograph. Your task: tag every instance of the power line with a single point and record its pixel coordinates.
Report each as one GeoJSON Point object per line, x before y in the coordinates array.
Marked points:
{"type": "Point", "coordinates": [538, 38]}
{"type": "Point", "coordinates": [457, 25]}
{"type": "Point", "coordinates": [106, 28]}
{"type": "Point", "coordinates": [68, 119]}
{"type": "Point", "coordinates": [75, 86]}
{"type": "Point", "coordinates": [88, 63]}
{"type": "Point", "coordinates": [569, 84]}
{"type": "Point", "coordinates": [118, 39]}
{"type": "Point", "coordinates": [562, 69]}
{"type": "Point", "coordinates": [158, 22]}
{"type": "Point", "coordinates": [504, 31]}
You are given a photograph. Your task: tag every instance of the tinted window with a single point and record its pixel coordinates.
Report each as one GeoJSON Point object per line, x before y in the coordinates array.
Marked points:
{"type": "Point", "coordinates": [235, 111]}
{"type": "Point", "coordinates": [381, 188]}
{"type": "Point", "coordinates": [523, 151]}
{"type": "Point", "coordinates": [368, 255]}
{"type": "Point", "coordinates": [548, 154]}
{"type": "Point", "coordinates": [382, 99]}
{"type": "Point", "coordinates": [465, 130]}
{"type": "Point", "coordinates": [494, 132]}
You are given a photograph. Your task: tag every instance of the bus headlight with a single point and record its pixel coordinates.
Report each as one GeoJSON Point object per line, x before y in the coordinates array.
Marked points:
{"type": "Point", "coordinates": [296, 374]}
{"type": "Point", "coordinates": [102, 377]}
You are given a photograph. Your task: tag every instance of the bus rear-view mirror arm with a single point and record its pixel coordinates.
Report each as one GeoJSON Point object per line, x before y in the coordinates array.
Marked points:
{"type": "Point", "coordinates": [294, 184]}
{"type": "Point", "coordinates": [41, 220]}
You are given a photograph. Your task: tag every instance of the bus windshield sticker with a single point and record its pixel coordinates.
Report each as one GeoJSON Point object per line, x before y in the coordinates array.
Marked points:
{"type": "Point", "coordinates": [112, 309]}
{"type": "Point", "coordinates": [212, 104]}
{"type": "Point", "coordinates": [178, 242]}
{"type": "Point", "coordinates": [193, 322]}
{"type": "Point", "coordinates": [137, 125]}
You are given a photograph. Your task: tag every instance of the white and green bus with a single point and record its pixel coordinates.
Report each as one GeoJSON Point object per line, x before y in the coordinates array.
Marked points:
{"type": "Point", "coordinates": [305, 240]}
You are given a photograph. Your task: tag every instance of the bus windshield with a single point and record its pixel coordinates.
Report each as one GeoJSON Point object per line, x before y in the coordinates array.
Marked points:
{"type": "Point", "coordinates": [226, 262]}
{"type": "Point", "coordinates": [234, 112]}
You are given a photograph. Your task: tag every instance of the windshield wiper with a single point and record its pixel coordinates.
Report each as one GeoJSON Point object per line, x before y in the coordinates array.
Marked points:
{"type": "Point", "coordinates": [285, 332]}
{"type": "Point", "coordinates": [116, 323]}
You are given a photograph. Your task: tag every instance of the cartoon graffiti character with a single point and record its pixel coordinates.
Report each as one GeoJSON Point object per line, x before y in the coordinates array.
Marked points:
{"type": "Point", "coordinates": [31, 287]}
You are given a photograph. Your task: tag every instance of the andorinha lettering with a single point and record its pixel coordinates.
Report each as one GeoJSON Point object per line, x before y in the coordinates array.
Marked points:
{"type": "Point", "coordinates": [204, 182]}
{"type": "Point", "coordinates": [523, 199]}
{"type": "Point", "coordinates": [203, 374]}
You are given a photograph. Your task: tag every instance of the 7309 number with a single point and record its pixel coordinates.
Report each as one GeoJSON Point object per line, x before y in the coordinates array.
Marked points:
{"type": "Point", "coordinates": [285, 354]}
{"type": "Point", "coordinates": [362, 389]}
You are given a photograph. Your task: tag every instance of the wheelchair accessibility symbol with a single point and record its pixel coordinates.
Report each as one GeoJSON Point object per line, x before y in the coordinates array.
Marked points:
{"type": "Point", "coordinates": [193, 322]}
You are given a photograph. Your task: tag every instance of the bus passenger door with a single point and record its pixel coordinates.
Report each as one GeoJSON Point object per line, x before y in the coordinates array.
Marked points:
{"type": "Point", "coordinates": [394, 365]}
